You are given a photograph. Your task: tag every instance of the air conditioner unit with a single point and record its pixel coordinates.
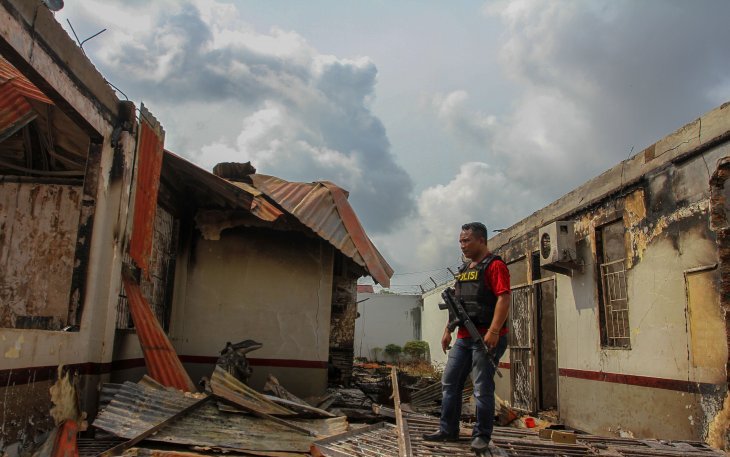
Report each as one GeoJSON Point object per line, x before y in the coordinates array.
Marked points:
{"type": "Point", "coordinates": [557, 248]}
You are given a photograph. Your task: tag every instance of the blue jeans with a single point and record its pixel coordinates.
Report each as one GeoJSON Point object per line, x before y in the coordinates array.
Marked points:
{"type": "Point", "coordinates": [465, 357]}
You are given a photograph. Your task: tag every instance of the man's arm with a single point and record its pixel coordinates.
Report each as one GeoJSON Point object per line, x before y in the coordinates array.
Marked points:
{"type": "Point", "coordinates": [501, 311]}
{"type": "Point", "coordinates": [446, 339]}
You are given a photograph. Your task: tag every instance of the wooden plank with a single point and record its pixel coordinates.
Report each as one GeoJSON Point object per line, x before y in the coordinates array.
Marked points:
{"type": "Point", "coordinates": [401, 425]}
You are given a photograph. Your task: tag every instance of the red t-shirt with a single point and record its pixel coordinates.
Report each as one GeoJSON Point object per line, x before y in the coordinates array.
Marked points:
{"type": "Point", "coordinates": [496, 279]}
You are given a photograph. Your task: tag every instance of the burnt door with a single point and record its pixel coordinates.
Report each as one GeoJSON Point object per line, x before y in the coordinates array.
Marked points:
{"type": "Point", "coordinates": [547, 347]}
{"type": "Point", "coordinates": [521, 348]}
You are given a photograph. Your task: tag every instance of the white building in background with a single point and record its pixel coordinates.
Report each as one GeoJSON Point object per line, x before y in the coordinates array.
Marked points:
{"type": "Point", "coordinates": [386, 319]}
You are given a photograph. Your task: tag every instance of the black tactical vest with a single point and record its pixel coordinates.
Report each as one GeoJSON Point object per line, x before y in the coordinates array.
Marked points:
{"type": "Point", "coordinates": [479, 300]}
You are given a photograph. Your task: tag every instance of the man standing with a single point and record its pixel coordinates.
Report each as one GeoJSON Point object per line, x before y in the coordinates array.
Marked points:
{"type": "Point", "coordinates": [483, 286]}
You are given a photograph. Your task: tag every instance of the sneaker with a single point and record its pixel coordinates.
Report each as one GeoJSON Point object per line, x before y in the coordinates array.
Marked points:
{"type": "Point", "coordinates": [479, 444]}
{"type": "Point", "coordinates": [440, 436]}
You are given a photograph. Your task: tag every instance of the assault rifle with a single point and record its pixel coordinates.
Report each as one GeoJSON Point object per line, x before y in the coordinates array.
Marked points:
{"type": "Point", "coordinates": [458, 316]}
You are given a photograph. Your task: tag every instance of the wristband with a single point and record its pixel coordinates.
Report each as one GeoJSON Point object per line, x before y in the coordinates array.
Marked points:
{"type": "Point", "coordinates": [493, 332]}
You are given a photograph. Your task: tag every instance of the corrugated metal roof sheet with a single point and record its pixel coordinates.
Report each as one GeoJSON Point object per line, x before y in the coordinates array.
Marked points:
{"type": "Point", "coordinates": [160, 357]}
{"type": "Point", "coordinates": [149, 165]}
{"type": "Point", "coordinates": [10, 74]}
{"type": "Point", "coordinates": [225, 385]}
{"type": "Point", "coordinates": [139, 407]}
{"type": "Point", "coordinates": [323, 207]}
{"type": "Point", "coordinates": [211, 191]}
{"type": "Point", "coordinates": [15, 111]}
{"type": "Point", "coordinates": [15, 90]}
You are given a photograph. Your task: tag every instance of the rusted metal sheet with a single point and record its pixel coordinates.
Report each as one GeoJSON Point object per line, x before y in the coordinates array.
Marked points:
{"type": "Point", "coordinates": [260, 206]}
{"type": "Point", "coordinates": [15, 111]}
{"type": "Point", "coordinates": [323, 207]}
{"type": "Point", "coordinates": [376, 264]}
{"type": "Point", "coordinates": [149, 164]}
{"type": "Point", "coordinates": [158, 287]}
{"type": "Point", "coordinates": [10, 75]}
{"type": "Point", "coordinates": [38, 227]}
{"type": "Point", "coordinates": [160, 358]}
{"type": "Point", "coordinates": [138, 407]}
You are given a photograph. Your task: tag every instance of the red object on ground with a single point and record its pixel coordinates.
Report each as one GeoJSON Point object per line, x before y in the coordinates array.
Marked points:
{"type": "Point", "coordinates": [65, 445]}
{"type": "Point", "coordinates": [529, 422]}
{"type": "Point", "coordinates": [162, 362]}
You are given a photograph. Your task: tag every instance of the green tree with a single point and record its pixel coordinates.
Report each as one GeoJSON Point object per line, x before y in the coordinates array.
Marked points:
{"type": "Point", "coordinates": [416, 349]}
{"type": "Point", "coordinates": [393, 351]}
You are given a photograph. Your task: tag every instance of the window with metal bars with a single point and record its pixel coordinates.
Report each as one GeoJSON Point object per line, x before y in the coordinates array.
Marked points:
{"type": "Point", "coordinates": [157, 289]}
{"type": "Point", "coordinates": [613, 291]}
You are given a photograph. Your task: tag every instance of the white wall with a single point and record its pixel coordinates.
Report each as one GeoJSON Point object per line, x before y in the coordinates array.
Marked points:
{"type": "Point", "coordinates": [433, 323]}
{"type": "Point", "coordinates": [386, 319]}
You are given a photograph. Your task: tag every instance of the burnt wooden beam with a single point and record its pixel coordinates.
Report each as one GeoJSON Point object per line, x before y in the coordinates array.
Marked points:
{"type": "Point", "coordinates": [84, 234]}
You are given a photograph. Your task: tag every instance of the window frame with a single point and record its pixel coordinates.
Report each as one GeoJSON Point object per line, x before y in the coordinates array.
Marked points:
{"type": "Point", "coordinates": [611, 278]}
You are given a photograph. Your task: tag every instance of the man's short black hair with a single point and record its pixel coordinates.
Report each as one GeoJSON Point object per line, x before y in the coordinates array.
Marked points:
{"type": "Point", "coordinates": [477, 228]}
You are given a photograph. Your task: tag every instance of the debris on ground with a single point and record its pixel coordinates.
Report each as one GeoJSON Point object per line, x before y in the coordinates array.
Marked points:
{"type": "Point", "coordinates": [233, 359]}
{"type": "Point", "coordinates": [381, 439]}
{"type": "Point", "coordinates": [266, 428]}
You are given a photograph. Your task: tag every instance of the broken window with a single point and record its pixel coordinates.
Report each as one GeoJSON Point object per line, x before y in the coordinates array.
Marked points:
{"type": "Point", "coordinates": [613, 292]}
{"type": "Point", "coordinates": [43, 158]}
{"type": "Point", "coordinates": [157, 288]}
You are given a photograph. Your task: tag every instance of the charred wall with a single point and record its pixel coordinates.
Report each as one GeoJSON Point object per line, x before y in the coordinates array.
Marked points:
{"type": "Point", "coordinates": [676, 240]}
{"type": "Point", "coordinates": [342, 321]}
{"type": "Point", "coordinates": [719, 205]}
{"type": "Point", "coordinates": [38, 225]}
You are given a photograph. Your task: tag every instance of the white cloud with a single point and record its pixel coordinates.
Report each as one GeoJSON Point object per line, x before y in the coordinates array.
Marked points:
{"type": "Point", "coordinates": [594, 80]}
{"type": "Point", "coordinates": [464, 124]}
{"type": "Point", "coordinates": [590, 80]}
{"type": "Point", "coordinates": [228, 92]}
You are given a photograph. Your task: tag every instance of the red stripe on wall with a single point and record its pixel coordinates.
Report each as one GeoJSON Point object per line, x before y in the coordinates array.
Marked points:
{"type": "Point", "coordinates": [641, 381]}
{"type": "Point", "coordinates": [19, 376]}
{"type": "Point", "coordinates": [287, 363]}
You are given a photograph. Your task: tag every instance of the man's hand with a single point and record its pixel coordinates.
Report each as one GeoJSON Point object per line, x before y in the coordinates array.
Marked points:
{"type": "Point", "coordinates": [491, 340]}
{"type": "Point", "coordinates": [446, 341]}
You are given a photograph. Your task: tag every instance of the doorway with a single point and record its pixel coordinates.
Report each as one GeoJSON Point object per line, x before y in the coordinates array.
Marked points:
{"type": "Point", "coordinates": [533, 342]}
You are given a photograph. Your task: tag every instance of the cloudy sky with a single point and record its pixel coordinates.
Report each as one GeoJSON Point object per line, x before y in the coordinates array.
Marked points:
{"type": "Point", "coordinates": [430, 113]}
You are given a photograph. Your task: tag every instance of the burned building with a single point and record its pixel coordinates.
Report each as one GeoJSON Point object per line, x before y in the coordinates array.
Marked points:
{"type": "Point", "coordinates": [619, 317]}
{"type": "Point", "coordinates": [87, 192]}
